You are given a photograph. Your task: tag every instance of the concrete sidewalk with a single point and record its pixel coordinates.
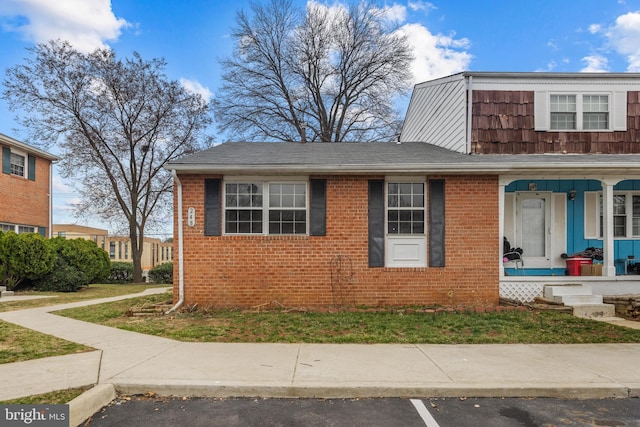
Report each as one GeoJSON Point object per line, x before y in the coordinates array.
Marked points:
{"type": "Point", "coordinates": [132, 363]}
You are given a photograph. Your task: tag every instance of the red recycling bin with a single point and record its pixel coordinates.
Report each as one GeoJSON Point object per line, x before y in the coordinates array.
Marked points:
{"type": "Point", "coordinates": [574, 263]}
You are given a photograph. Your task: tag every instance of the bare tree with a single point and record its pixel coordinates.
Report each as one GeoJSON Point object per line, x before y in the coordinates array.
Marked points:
{"type": "Point", "coordinates": [330, 74]}
{"type": "Point", "coordinates": [116, 123]}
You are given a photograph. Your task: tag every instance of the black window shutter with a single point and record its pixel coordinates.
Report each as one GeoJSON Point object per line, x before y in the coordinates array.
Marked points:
{"type": "Point", "coordinates": [436, 223]}
{"type": "Point", "coordinates": [318, 212]}
{"type": "Point", "coordinates": [212, 207]}
{"type": "Point", "coordinates": [6, 160]}
{"type": "Point", "coordinates": [32, 168]}
{"type": "Point", "coordinates": [376, 223]}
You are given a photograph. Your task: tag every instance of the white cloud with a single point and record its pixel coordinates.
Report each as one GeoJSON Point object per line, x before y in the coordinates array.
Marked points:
{"type": "Point", "coordinates": [194, 86]}
{"type": "Point", "coordinates": [595, 64]}
{"type": "Point", "coordinates": [86, 24]}
{"type": "Point", "coordinates": [421, 5]}
{"type": "Point", "coordinates": [595, 28]}
{"type": "Point", "coordinates": [624, 37]}
{"type": "Point", "coordinates": [436, 55]}
{"type": "Point", "coordinates": [396, 13]}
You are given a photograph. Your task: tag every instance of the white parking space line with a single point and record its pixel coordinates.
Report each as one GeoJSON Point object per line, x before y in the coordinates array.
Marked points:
{"type": "Point", "coordinates": [424, 413]}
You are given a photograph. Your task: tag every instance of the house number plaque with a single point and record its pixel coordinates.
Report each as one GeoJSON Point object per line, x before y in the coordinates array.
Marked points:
{"type": "Point", "coordinates": [191, 217]}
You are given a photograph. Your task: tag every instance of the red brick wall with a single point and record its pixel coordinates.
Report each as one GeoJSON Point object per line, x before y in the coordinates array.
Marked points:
{"type": "Point", "coordinates": [23, 201]}
{"type": "Point", "coordinates": [229, 271]}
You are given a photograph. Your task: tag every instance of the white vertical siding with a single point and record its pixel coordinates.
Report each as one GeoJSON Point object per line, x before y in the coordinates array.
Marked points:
{"type": "Point", "coordinates": [437, 114]}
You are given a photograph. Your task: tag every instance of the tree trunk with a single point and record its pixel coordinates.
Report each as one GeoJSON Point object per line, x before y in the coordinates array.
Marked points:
{"type": "Point", "coordinates": [136, 253]}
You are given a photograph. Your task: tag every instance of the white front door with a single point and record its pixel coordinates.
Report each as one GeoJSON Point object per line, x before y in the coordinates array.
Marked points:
{"type": "Point", "coordinates": [533, 226]}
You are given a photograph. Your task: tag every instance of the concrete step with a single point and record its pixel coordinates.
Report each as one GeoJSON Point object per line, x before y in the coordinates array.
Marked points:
{"type": "Point", "coordinates": [594, 311]}
{"type": "Point", "coordinates": [581, 299]}
{"type": "Point", "coordinates": [553, 291]}
{"type": "Point", "coordinates": [6, 294]}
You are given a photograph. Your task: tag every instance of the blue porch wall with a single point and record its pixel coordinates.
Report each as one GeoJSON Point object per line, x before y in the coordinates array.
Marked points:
{"type": "Point", "coordinates": [575, 218]}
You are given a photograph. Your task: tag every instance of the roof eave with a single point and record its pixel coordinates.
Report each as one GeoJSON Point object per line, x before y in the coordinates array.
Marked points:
{"type": "Point", "coordinates": [493, 168]}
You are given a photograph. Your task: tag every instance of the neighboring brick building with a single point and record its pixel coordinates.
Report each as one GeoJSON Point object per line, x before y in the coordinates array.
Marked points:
{"type": "Point", "coordinates": [25, 188]}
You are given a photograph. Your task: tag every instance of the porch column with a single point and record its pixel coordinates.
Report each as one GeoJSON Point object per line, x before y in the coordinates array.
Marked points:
{"type": "Point", "coordinates": [501, 187]}
{"type": "Point", "coordinates": [608, 268]}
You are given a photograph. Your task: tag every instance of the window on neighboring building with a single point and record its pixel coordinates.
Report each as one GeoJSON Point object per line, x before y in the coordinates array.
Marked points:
{"type": "Point", "coordinates": [17, 164]}
{"type": "Point", "coordinates": [405, 208]}
{"type": "Point", "coordinates": [17, 228]}
{"type": "Point", "coordinates": [112, 250]}
{"type": "Point", "coordinates": [246, 213]}
{"type": "Point", "coordinates": [126, 250]}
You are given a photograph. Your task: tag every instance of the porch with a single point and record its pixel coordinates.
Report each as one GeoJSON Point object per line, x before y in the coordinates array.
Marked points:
{"type": "Point", "coordinates": [565, 216]}
{"type": "Point", "coordinates": [527, 288]}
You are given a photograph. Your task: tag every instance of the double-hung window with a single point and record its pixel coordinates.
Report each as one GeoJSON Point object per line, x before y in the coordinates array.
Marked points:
{"type": "Point", "coordinates": [243, 208]}
{"type": "Point", "coordinates": [626, 215]}
{"type": "Point", "coordinates": [17, 164]}
{"type": "Point", "coordinates": [581, 111]}
{"type": "Point", "coordinates": [563, 112]}
{"type": "Point", "coordinates": [595, 112]}
{"type": "Point", "coordinates": [405, 208]}
{"type": "Point", "coordinates": [265, 208]}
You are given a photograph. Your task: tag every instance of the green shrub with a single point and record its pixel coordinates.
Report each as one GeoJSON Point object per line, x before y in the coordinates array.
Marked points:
{"type": "Point", "coordinates": [24, 256]}
{"type": "Point", "coordinates": [162, 273]}
{"type": "Point", "coordinates": [64, 278]}
{"type": "Point", "coordinates": [121, 272]}
{"type": "Point", "coordinates": [85, 256]}
{"type": "Point", "coordinates": [78, 263]}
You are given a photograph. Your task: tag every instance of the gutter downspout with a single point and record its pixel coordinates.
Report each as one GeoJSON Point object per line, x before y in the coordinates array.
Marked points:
{"type": "Point", "coordinates": [180, 247]}
{"type": "Point", "coordinates": [50, 231]}
{"type": "Point", "coordinates": [469, 114]}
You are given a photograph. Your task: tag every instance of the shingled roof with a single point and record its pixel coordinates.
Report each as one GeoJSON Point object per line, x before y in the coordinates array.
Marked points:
{"type": "Point", "coordinates": [388, 157]}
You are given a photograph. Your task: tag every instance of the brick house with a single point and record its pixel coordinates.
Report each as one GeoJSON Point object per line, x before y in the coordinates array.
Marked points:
{"type": "Point", "coordinates": [25, 188]}
{"type": "Point", "coordinates": [545, 160]}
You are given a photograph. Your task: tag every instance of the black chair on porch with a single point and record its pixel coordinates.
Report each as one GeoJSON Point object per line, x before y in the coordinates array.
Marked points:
{"type": "Point", "coordinates": [512, 255]}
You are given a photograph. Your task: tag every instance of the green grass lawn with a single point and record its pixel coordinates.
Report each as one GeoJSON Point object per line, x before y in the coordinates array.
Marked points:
{"type": "Point", "coordinates": [59, 397]}
{"type": "Point", "coordinates": [18, 344]}
{"type": "Point", "coordinates": [393, 326]}
{"type": "Point", "coordinates": [94, 291]}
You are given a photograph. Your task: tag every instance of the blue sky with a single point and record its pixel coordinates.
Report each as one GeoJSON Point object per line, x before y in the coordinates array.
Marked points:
{"type": "Point", "coordinates": [447, 36]}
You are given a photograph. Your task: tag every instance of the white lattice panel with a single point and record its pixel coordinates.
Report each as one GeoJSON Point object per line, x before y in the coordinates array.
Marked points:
{"type": "Point", "coordinates": [520, 291]}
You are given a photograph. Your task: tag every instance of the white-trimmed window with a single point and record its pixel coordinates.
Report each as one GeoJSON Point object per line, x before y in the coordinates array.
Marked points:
{"type": "Point", "coordinates": [18, 166]}
{"type": "Point", "coordinates": [19, 229]}
{"type": "Point", "coordinates": [563, 112]}
{"type": "Point", "coordinates": [626, 215]}
{"type": "Point", "coordinates": [285, 210]}
{"type": "Point", "coordinates": [406, 242]}
{"type": "Point", "coordinates": [584, 112]}
{"type": "Point", "coordinates": [405, 208]}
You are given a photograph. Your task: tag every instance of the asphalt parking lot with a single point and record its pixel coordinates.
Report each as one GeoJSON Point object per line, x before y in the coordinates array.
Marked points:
{"type": "Point", "coordinates": [157, 411]}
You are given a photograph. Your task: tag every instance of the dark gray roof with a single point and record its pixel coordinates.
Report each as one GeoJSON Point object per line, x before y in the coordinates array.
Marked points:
{"type": "Point", "coordinates": [376, 157]}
